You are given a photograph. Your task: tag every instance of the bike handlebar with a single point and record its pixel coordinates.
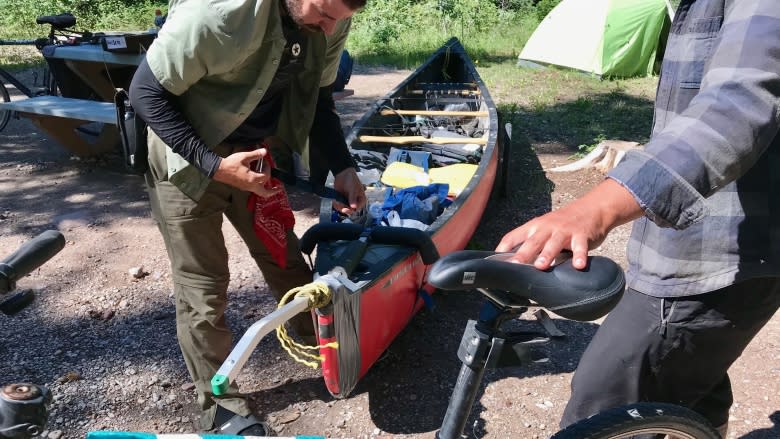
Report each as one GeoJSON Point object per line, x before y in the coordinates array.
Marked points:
{"type": "Point", "coordinates": [28, 257]}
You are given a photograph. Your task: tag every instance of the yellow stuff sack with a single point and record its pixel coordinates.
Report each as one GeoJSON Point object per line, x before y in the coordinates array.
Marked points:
{"type": "Point", "coordinates": [457, 176]}
{"type": "Point", "coordinates": [403, 175]}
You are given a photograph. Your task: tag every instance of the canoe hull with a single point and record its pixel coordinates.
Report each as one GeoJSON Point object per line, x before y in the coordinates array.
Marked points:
{"type": "Point", "coordinates": [368, 315]}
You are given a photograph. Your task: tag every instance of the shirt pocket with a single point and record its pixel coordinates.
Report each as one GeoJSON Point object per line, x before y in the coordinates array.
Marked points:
{"type": "Point", "coordinates": [698, 41]}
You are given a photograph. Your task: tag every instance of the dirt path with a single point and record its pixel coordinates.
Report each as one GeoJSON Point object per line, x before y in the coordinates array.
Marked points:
{"type": "Point", "coordinates": [105, 343]}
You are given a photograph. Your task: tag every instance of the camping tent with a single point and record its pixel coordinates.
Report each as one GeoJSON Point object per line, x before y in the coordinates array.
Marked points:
{"type": "Point", "coordinates": [611, 38]}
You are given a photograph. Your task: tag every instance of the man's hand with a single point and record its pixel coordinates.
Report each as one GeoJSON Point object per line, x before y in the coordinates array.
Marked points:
{"type": "Point", "coordinates": [580, 226]}
{"type": "Point", "coordinates": [236, 171]}
{"type": "Point", "coordinates": [348, 184]}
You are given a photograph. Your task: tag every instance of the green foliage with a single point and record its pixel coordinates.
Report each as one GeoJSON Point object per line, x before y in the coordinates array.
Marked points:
{"type": "Point", "coordinates": [405, 32]}
{"type": "Point", "coordinates": [520, 6]}
{"type": "Point", "coordinates": [544, 7]}
{"type": "Point", "coordinates": [380, 23]}
{"type": "Point", "coordinates": [476, 15]}
{"type": "Point", "coordinates": [18, 18]}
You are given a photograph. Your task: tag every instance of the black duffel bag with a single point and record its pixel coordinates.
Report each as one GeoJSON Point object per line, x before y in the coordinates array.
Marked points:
{"type": "Point", "coordinates": [132, 133]}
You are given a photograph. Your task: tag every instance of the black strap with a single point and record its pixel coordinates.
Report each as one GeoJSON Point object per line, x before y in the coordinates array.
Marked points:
{"type": "Point", "coordinates": [307, 186]}
{"type": "Point", "coordinates": [132, 134]}
{"type": "Point", "coordinates": [120, 101]}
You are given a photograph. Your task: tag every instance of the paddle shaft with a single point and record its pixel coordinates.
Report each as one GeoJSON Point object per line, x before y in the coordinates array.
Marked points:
{"type": "Point", "coordinates": [402, 140]}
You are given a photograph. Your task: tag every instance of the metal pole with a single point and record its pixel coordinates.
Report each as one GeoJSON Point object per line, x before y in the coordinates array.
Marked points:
{"type": "Point", "coordinates": [240, 354]}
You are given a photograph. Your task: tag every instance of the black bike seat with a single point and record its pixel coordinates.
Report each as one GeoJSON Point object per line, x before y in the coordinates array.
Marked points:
{"type": "Point", "coordinates": [59, 22]}
{"type": "Point", "coordinates": [573, 294]}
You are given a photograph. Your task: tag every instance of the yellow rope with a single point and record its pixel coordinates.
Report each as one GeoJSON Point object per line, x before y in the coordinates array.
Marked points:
{"type": "Point", "coordinates": [319, 295]}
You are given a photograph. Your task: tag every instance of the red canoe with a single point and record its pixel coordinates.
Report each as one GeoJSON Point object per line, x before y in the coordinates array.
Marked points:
{"type": "Point", "coordinates": [440, 117]}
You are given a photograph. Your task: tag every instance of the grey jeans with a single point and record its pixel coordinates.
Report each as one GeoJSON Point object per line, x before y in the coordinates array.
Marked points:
{"type": "Point", "coordinates": [674, 350]}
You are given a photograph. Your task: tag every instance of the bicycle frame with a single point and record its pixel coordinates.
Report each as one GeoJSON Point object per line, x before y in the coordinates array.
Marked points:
{"type": "Point", "coordinates": [18, 84]}
{"type": "Point", "coordinates": [48, 84]}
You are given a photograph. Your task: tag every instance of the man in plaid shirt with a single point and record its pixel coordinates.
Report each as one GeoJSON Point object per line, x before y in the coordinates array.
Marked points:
{"type": "Point", "coordinates": [704, 254]}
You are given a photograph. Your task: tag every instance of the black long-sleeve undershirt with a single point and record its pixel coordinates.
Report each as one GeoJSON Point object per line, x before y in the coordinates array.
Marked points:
{"type": "Point", "coordinates": [157, 107]}
{"type": "Point", "coordinates": [326, 140]}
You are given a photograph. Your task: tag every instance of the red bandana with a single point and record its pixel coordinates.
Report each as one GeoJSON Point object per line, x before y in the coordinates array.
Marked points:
{"type": "Point", "coordinates": [273, 217]}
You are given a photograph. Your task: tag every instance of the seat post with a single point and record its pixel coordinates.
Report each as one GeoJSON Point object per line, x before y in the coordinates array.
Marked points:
{"type": "Point", "coordinates": [478, 348]}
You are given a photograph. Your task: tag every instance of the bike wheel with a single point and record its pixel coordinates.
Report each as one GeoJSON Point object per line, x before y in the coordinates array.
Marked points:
{"type": "Point", "coordinates": [5, 115]}
{"type": "Point", "coordinates": [641, 420]}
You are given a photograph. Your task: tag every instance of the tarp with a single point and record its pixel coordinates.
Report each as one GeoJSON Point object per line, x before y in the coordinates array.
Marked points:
{"type": "Point", "coordinates": [611, 38]}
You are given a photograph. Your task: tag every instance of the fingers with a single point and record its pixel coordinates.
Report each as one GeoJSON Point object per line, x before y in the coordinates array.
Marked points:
{"type": "Point", "coordinates": [248, 157]}
{"type": "Point", "coordinates": [579, 248]}
{"type": "Point", "coordinates": [247, 170]}
{"type": "Point", "coordinates": [347, 183]}
{"type": "Point", "coordinates": [357, 199]}
{"type": "Point", "coordinates": [511, 240]}
{"type": "Point", "coordinates": [541, 241]}
{"type": "Point", "coordinates": [343, 208]}
{"type": "Point", "coordinates": [255, 162]}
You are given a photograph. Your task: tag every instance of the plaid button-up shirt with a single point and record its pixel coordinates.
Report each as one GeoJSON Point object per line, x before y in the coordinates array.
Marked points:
{"type": "Point", "coordinates": [709, 178]}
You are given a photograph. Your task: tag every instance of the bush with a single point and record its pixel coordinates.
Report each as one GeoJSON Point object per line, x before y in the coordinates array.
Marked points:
{"type": "Point", "coordinates": [544, 7]}
{"type": "Point", "coordinates": [380, 23]}
{"type": "Point", "coordinates": [18, 17]}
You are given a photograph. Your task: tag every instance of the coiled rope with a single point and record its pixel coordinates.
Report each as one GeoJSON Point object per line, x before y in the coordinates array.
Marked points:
{"type": "Point", "coordinates": [319, 295]}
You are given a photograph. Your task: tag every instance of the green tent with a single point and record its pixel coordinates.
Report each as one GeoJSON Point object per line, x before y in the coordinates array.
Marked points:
{"type": "Point", "coordinates": [608, 38]}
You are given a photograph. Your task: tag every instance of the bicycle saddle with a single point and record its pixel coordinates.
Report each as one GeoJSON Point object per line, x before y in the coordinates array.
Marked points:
{"type": "Point", "coordinates": [59, 22]}
{"type": "Point", "coordinates": [573, 294]}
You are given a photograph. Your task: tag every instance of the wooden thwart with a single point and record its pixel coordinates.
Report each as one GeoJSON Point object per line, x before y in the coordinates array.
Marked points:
{"type": "Point", "coordinates": [420, 139]}
{"type": "Point", "coordinates": [432, 113]}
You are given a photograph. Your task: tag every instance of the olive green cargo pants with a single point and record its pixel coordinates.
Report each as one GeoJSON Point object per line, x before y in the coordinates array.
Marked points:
{"type": "Point", "coordinates": [192, 231]}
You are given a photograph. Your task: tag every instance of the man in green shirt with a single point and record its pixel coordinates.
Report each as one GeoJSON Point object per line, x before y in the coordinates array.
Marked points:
{"type": "Point", "coordinates": [222, 79]}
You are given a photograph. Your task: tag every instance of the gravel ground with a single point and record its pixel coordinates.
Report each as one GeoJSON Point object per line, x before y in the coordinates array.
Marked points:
{"type": "Point", "coordinates": [103, 340]}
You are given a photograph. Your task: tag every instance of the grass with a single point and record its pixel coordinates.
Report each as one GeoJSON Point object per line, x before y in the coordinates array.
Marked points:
{"type": "Point", "coordinates": [570, 108]}
{"type": "Point", "coordinates": [501, 42]}
{"type": "Point", "coordinates": [15, 58]}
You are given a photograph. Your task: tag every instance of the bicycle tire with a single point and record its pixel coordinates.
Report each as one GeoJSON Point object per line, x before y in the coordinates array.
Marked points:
{"type": "Point", "coordinates": [645, 418]}
{"type": "Point", "coordinates": [5, 115]}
